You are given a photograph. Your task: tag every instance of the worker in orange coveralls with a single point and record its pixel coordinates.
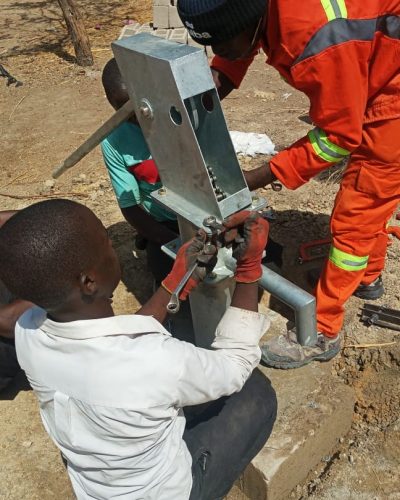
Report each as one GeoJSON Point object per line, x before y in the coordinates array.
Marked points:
{"type": "Point", "coordinates": [345, 56]}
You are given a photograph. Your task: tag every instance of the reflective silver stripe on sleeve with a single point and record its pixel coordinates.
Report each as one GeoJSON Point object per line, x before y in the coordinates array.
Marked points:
{"type": "Point", "coordinates": [324, 147]}
{"type": "Point", "coordinates": [339, 31]}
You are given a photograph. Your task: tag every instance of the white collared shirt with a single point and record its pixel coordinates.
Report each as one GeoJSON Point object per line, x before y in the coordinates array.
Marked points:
{"type": "Point", "coordinates": [111, 393]}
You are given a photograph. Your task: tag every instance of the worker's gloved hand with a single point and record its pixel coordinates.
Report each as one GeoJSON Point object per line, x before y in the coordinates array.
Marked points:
{"type": "Point", "coordinates": [194, 250]}
{"type": "Point", "coordinates": [248, 232]}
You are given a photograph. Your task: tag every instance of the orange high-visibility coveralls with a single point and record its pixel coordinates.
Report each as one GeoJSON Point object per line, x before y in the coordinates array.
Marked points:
{"type": "Point", "coordinates": [345, 56]}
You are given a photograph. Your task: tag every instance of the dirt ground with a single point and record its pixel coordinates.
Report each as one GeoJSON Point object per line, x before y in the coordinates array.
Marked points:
{"type": "Point", "coordinates": [56, 108]}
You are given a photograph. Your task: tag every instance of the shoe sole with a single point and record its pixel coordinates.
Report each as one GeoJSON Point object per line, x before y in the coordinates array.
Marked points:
{"type": "Point", "coordinates": [372, 295]}
{"type": "Point", "coordinates": [289, 365]}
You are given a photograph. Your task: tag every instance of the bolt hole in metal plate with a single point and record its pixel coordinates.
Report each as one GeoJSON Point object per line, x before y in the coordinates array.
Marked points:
{"type": "Point", "coordinates": [176, 115]}
{"type": "Point", "coordinates": [207, 101]}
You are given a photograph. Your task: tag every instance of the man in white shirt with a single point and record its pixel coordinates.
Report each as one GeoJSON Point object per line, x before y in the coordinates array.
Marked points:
{"type": "Point", "coordinates": [113, 390]}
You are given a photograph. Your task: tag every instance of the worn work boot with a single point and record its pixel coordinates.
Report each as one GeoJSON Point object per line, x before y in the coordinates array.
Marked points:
{"type": "Point", "coordinates": [373, 291]}
{"type": "Point", "coordinates": [285, 352]}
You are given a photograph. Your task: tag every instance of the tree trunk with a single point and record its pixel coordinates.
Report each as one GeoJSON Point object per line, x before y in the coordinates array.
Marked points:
{"type": "Point", "coordinates": [76, 30]}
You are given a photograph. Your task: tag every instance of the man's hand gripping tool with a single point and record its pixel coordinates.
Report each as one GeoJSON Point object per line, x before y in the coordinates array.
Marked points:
{"type": "Point", "coordinates": [173, 305]}
{"type": "Point", "coordinates": [213, 239]}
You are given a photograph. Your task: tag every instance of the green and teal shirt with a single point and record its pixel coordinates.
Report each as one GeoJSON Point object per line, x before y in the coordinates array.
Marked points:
{"type": "Point", "coordinates": [133, 173]}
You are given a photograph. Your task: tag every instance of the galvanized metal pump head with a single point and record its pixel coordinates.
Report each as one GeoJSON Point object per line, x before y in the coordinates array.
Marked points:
{"type": "Point", "coordinates": [179, 111]}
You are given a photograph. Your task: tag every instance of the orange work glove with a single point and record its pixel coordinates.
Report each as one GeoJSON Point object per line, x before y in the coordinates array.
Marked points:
{"type": "Point", "coordinates": [192, 251]}
{"type": "Point", "coordinates": [253, 230]}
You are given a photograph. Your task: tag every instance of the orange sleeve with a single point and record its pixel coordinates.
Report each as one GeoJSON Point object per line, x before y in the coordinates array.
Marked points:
{"type": "Point", "coordinates": [336, 82]}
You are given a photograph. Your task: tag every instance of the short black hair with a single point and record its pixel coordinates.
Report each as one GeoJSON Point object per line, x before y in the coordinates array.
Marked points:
{"type": "Point", "coordinates": [43, 250]}
{"type": "Point", "coordinates": [113, 84]}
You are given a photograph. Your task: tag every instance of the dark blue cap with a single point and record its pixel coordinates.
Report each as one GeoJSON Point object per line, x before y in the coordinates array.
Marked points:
{"type": "Point", "coordinates": [213, 21]}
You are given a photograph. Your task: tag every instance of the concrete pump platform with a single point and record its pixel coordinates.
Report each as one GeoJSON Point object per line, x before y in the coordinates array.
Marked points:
{"type": "Point", "coordinates": [315, 410]}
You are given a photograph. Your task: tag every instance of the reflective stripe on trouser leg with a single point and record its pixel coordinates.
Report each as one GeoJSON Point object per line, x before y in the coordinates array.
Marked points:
{"type": "Point", "coordinates": [347, 261]}
{"type": "Point", "coordinates": [334, 288]}
{"type": "Point", "coordinates": [342, 274]}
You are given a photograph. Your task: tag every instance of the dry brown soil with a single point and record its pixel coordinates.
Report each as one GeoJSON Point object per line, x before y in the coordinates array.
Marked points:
{"type": "Point", "coordinates": [57, 107]}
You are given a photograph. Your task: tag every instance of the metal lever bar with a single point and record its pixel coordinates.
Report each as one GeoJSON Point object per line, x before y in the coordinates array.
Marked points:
{"type": "Point", "coordinates": [173, 305]}
{"type": "Point", "coordinates": [119, 117]}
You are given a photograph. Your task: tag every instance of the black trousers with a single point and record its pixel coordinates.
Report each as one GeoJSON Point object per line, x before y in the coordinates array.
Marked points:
{"type": "Point", "coordinates": [223, 436]}
{"type": "Point", "coordinates": [9, 366]}
{"type": "Point", "coordinates": [158, 263]}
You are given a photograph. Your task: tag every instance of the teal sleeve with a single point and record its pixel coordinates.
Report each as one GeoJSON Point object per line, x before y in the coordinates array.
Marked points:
{"type": "Point", "coordinates": [123, 182]}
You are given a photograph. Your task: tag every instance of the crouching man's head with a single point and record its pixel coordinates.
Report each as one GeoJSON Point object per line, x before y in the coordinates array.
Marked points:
{"type": "Point", "coordinates": [57, 254]}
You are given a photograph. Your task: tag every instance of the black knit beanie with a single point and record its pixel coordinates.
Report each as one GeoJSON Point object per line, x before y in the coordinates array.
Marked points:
{"type": "Point", "coordinates": [212, 21]}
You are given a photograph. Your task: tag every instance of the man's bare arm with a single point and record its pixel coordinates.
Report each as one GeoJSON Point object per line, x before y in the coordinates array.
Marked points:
{"type": "Point", "coordinates": [259, 177]}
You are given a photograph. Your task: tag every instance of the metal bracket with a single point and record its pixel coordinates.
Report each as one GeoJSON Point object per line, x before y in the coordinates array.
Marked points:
{"type": "Point", "coordinates": [380, 316]}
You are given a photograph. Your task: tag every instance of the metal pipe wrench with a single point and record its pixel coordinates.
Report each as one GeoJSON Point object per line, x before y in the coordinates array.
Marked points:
{"type": "Point", "coordinates": [173, 305]}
